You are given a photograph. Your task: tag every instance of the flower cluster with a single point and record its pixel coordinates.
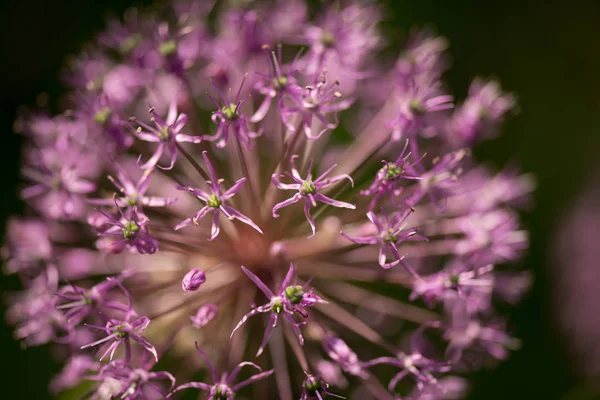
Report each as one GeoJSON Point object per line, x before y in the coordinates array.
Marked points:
{"type": "Point", "coordinates": [153, 235]}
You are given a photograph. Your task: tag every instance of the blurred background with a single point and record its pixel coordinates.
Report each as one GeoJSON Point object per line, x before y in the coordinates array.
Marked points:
{"type": "Point", "coordinates": [545, 51]}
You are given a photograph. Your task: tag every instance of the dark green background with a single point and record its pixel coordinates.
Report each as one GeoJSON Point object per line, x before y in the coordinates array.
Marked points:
{"type": "Point", "coordinates": [547, 52]}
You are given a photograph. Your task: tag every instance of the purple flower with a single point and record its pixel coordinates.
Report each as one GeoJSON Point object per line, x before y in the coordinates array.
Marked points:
{"type": "Point", "coordinates": [41, 127]}
{"type": "Point", "coordinates": [250, 31]}
{"type": "Point", "coordinates": [79, 302]}
{"type": "Point", "coordinates": [167, 133]}
{"type": "Point", "coordinates": [34, 312]}
{"type": "Point", "coordinates": [28, 245]}
{"type": "Point", "coordinates": [280, 84]}
{"type": "Point", "coordinates": [244, 31]}
{"type": "Point", "coordinates": [390, 233]}
{"type": "Point", "coordinates": [102, 119]}
{"type": "Point", "coordinates": [75, 370]}
{"type": "Point", "coordinates": [125, 382]}
{"type": "Point", "coordinates": [481, 113]}
{"type": "Point", "coordinates": [193, 280]}
{"type": "Point", "coordinates": [339, 352]}
{"type": "Point", "coordinates": [309, 190]}
{"type": "Point", "coordinates": [459, 278]}
{"type": "Point", "coordinates": [495, 235]}
{"type": "Point", "coordinates": [423, 58]}
{"type": "Point", "coordinates": [122, 84]}
{"type": "Point", "coordinates": [414, 364]}
{"type": "Point", "coordinates": [487, 191]}
{"type": "Point", "coordinates": [130, 37]}
{"type": "Point", "coordinates": [133, 193]}
{"type": "Point", "coordinates": [417, 105]}
{"type": "Point", "coordinates": [215, 202]}
{"type": "Point", "coordinates": [223, 388]}
{"type": "Point", "coordinates": [167, 44]}
{"type": "Point", "coordinates": [59, 182]}
{"type": "Point", "coordinates": [131, 231]}
{"type": "Point", "coordinates": [342, 41]}
{"type": "Point", "coordinates": [389, 178]}
{"type": "Point", "coordinates": [204, 315]}
{"type": "Point", "coordinates": [317, 101]}
{"type": "Point", "coordinates": [87, 71]}
{"type": "Point", "coordinates": [291, 299]}
{"type": "Point", "coordinates": [123, 331]}
{"type": "Point", "coordinates": [229, 117]}
{"type": "Point", "coordinates": [467, 332]}
{"type": "Point", "coordinates": [438, 182]}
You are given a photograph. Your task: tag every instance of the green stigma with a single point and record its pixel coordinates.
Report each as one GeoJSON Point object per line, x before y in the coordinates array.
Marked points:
{"type": "Point", "coordinates": [164, 133]}
{"type": "Point", "coordinates": [392, 171]}
{"type": "Point", "coordinates": [389, 236]}
{"type": "Point", "coordinates": [327, 39]}
{"type": "Point", "coordinates": [132, 200]}
{"type": "Point", "coordinates": [279, 83]}
{"type": "Point", "coordinates": [312, 385]}
{"type": "Point", "coordinates": [213, 201]}
{"type": "Point", "coordinates": [221, 393]}
{"type": "Point", "coordinates": [417, 107]}
{"type": "Point", "coordinates": [167, 48]}
{"type": "Point", "coordinates": [277, 305]}
{"type": "Point", "coordinates": [56, 183]}
{"type": "Point", "coordinates": [102, 116]}
{"type": "Point", "coordinates": [294, 294]}
{"type": "Point", "coordinates": [308, 187]}
{"type": "Point", "coordinates": [230, 111]}
{"type": "Point", "coordinates": [118, 332]}
{"type": "Point", "coordinates": [130, 43]}
{"type": "Point", "coordinates": [130, 230]}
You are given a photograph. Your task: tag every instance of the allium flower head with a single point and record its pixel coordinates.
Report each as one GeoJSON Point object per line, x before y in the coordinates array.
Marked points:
{"type": "Point", "coordinates": [151, 236]}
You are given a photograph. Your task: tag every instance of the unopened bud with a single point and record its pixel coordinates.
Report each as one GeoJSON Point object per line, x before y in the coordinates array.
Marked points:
{"type": "Point", "coordinates": [204, 315]}
{"type": "Point", "coordinates": [193, 280]}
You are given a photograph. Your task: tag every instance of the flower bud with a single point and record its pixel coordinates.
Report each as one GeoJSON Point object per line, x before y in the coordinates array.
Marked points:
{"type": "Point", "coordinates": [278, 251]}
{"type": "Point", "coordinates": [193, 280]}
{"type": "Point", "coordinates": [204, 315]}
